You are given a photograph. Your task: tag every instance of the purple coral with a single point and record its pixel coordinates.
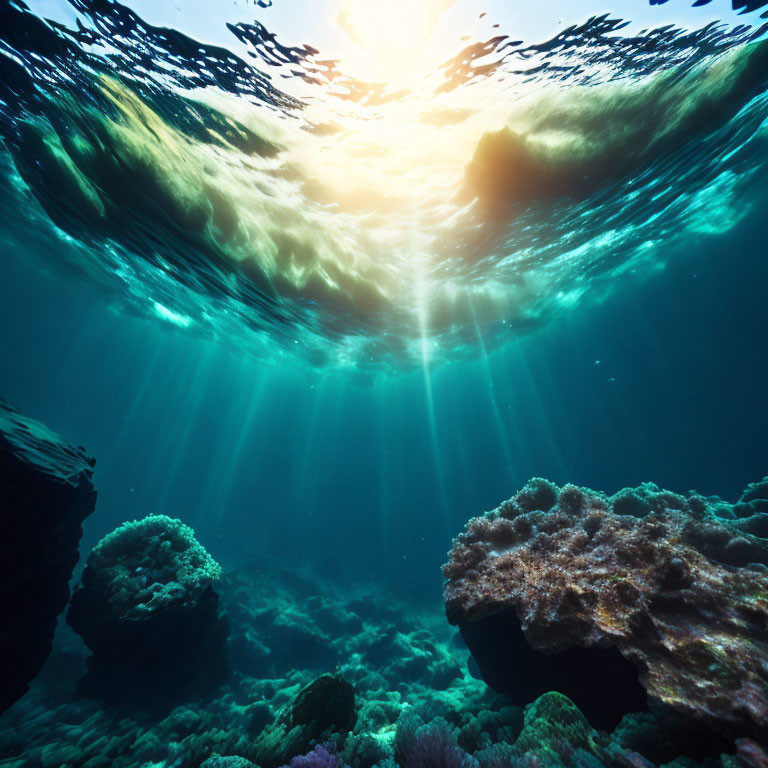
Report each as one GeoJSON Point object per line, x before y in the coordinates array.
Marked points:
{"type": "Point", "coordinates": [434, 747]}
{"type": "Point", "coordinates": [319, 757]}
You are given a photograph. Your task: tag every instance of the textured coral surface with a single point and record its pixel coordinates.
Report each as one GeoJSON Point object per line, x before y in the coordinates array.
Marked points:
{"type": "Point", "coordinates": [45, 494]}
{"type": "Point", "coordinates": [679, 584]}
{"type": "Point", "coordinates": [415, 704]}
{"type": "Point", "coordinates": [149, 564]}
{"type": "Point", "coordinates": [146, 609]}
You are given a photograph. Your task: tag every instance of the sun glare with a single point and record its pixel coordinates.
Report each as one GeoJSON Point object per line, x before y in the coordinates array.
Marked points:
{"type": "Point", "coordinates": [389, 37]}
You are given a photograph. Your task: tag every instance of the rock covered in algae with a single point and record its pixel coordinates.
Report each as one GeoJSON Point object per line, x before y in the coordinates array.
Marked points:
{"type": "Point", "coordinates": [147, 611]}
{"type": "Point", "coordinates": [324, 707]}
{"type": "Point", "coordinates": [45, 494]}
{"type": "Point", "coordinates": [553, 734]}
{"type": "Point", "coordinates": [675, 585]}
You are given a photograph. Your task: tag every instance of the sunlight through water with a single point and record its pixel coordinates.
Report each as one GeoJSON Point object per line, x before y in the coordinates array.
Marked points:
{"type": "Point", "coordinates": [430, 187]}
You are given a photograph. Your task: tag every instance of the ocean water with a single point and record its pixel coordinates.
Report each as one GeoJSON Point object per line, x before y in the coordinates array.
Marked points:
{"type": "Point", "coordinates": [324, 283]}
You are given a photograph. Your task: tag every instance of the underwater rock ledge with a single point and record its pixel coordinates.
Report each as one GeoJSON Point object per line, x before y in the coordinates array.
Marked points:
{"type": "Point", "coordinates": [675, 586]}
{"type": "Point", "coordinates": [45, 494]}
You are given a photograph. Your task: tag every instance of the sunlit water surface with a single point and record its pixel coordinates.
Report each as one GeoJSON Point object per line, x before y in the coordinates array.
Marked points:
{"type": "Point", "coordinates": [417, 194]}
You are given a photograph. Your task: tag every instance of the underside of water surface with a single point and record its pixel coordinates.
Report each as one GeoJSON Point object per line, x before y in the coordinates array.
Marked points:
{"type": "Point", "coordinates": [261, 194]}
{"type": "Point", "coordinates": [293, 297]}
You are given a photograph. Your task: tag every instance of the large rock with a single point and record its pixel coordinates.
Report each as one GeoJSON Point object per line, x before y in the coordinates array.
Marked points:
{"type": "Point", "coordinates": [45, 494]}
{"type": "Point", "coordinates": [147, 610]}
{"type": "Point", "coordinates": [595, 596]}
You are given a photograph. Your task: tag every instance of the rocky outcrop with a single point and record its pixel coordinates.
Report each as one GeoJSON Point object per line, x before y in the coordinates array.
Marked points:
{"type": "Point", "coordinates": [45, 494]}
{"type": "Point", "coordinates": [572, 590]}
{"type": "Point", "coordinates": [147, 611]}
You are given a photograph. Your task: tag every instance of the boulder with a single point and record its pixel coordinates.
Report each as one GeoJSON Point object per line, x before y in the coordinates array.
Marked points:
{"type": "Point", "coordinates": [325, 707]}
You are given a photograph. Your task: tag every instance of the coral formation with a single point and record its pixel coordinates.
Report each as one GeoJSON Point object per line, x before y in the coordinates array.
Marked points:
{"type": "Point", "coordinates": [432, 747]}
{"type": "Point", "coordinates": [45, 494]}
{"type": "Point", "coordinates": [391, 654]}
{"type": "Point", "coordinates": [397, 719]}
{"type": "Point", "coordinates": [150, 565]}
{"type": "Point", "coordinates": [146, 609]}
{"type": "Point", "coordinates": [677, 585]}
{"type": "Point", "coordinates": [319, 757]}
{"type": "Point", "coordinates": [553, 734]}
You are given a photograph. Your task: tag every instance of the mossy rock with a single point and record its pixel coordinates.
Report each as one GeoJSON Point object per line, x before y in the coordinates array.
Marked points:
{"type": "Point", "coordinates": [551, 719]}
{"type": "Point", "coordinates": [325, 706]}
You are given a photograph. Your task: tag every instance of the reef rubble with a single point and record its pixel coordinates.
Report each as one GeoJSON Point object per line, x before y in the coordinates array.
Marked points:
{"type": "Point", "coordinates": [669, 590]}
{"type": "Point", "coordinates": [45, 494]}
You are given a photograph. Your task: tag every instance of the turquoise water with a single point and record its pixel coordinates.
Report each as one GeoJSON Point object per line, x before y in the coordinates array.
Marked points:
{"type": "Point", "coordinates": [661, 381]}
{"type": "Point", "coordinates": [324, 318]}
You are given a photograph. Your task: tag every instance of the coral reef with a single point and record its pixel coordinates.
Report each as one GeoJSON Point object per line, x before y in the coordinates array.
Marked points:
{"type": "Point", "coordinates": [280, 622]}
{"type": "Point", "coordinates": [146, 609]}
{"type": "Point", "coordinates": [670, 589]}
{"type": "Point", "coordinates": [553, 734]}
{"type": "Point", "coordinates": [392, 655]}
{"type": "Point", "coordinates": [293, 717]}
{"type": "Point", "coordinates": [45, 494]}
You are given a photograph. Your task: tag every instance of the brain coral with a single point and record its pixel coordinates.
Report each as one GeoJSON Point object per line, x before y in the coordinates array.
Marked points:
{"type": "Point", "coordinates": [147, 611]}
{"type": "Point", "coordinates": [149, 564]}
{"type": "Point", "coordinates": [678, 585]}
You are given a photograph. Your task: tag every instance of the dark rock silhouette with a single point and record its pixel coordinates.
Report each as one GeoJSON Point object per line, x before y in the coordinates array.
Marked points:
{"type": "Point", "coordinates": [45, 494]}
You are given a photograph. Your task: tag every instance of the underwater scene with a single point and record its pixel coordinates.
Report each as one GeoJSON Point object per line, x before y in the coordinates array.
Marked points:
{"type": "Point", "coordinates": [383, 384]}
